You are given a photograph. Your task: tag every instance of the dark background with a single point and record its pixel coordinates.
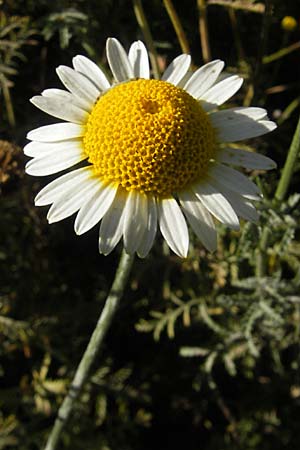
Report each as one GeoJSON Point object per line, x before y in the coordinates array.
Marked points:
{"type": "Point", "coordinates": [204, 352]}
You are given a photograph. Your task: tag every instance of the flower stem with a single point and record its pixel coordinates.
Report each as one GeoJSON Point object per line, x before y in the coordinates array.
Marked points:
{"type": "Point", "coordinates": [177, 26]}
{"type": "Point", "coordinates": [261, 253]}
{"type": "Point", "coordinates": [92, 350]}
{"type": "Point", "coordinates": [142, 21]}
{"type": "Point", "coordinates": [281, 53]}
{"type": "Point", "coordinates": [289, 166]}
{"type": "Point", "coordinates": [8, 103]}
{"type": "Point", "coordinates": [203, 30]}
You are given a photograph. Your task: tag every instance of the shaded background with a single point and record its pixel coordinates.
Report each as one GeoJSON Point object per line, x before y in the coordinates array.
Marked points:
{"type": "Point", "coordinates": [204, 352]}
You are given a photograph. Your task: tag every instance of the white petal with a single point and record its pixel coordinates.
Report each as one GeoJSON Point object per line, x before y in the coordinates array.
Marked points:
{"type": "Point", "coordinates": [173, 226]}
{"type": "Point", "coordinates": [68, 97]}
{"type": "Point", "coordinates": [54, 190]}
{"type": "Point", "coordinates": [216, 204]}
{"type": "Point", "coordinates": [92, 71]}
{"type": "Point", "coordinates": [35, 149]}
{"type": "Point", "coordinates": [252, 112]}
{"type": "Point", "coordinates": [204, 78]}
{"type": "Point", "coordinates": [177, 69]}
{"type": "Point", "coordinates": [242, 207]}
{"type": "Point", "coordinates": [118, 60]}
{"type": "Point", "coordinates": [54, 162]}
{"type": "Point", "coordinates": [138, 57]}
{"type": "Point", "coordinates": [78, 84]}
{"type": "Point", "coordinates": [199, 219]}
{"type": "Point", "coordinates": [185, 79]}
{"type": "Point", "coordinates": [135, 220]}
{"type": "Point", "coordinates": [150, 232]}
{"type": "Point", "coordinates": [53, 92]}
{"type": "Point", "coordinates": [72, 200]}
{"type": "Point", "coordinates": [111, 228]}
{"type": "Point", "coordinates": [92, 212]}
{"type": "Point", "coordinates": [235, 181]}
{"type": "Point", "coordinates": [243, 158]}
{"type": "Point", "coordinates": [240, 123]}
{"type": "Point", "coordinates": [40, 149]}
{"type": "Point", "coordinates": [221, 92]}
{"type": "Point", "coordinates": [56, 132]}
{"type": "Point", "coordinates": [58, 107]}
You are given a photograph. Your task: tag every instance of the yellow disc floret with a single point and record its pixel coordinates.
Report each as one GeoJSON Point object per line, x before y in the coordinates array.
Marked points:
{"type": "Point", "coordinates": [149, 135]}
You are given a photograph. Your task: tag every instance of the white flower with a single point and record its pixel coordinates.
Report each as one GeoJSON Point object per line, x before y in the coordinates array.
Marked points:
{"type": "Point", "coordinates": [153, 148]}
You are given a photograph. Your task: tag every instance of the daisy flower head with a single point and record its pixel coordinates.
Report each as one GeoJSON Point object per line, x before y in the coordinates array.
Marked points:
{"type": "Point", "coordinates": [155, 151]}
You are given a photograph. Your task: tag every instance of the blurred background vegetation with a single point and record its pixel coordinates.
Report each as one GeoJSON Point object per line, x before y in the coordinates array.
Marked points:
{"type": "Point", "coordinates": [204, 353]}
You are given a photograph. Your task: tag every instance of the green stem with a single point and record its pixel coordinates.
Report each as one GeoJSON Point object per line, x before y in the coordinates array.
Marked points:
{"type": "Point", "coordinates": [281, 53]}
{"type": "Point", "coordinates": [142, 21]}
{"type": "Point", "coordinates": [287, 112]}
{"type": "Point", "coordinates": [261, 253]}
{"type": "Point", "coordinates": [289, 166]}
{"type": "Point", "coordinates": [92, 350]}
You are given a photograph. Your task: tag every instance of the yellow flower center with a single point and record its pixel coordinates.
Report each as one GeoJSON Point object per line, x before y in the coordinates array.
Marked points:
{"type": "Point", "coordinates": [149, 135]}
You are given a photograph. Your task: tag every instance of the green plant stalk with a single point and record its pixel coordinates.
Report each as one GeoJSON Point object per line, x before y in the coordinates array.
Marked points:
{"type": "Point", "coordinates": [286, 113]}
{"type": "Point", "coordinates": [92, 350]}
{"type": "Point", "coordinates": [142, 21]}
{"type": "Point", "coordinates": [281, 53]}
{"type": "Point", "coordinates": [261, 253]}
{"type": "Point", "coordinates": [181, 36]}
{"type": "Point", "coordinates": [289, 166]}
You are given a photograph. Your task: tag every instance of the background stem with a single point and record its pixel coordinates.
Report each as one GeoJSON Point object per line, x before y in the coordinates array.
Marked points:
{"type": "Point", "coordinates": [262, 48]}
{"type": "Point", "coordinates": [142, 21]}
{"type": "Point", "coordinates": [289, 166]}
{"type": "Point", "coordinates": [181, 36]}
{"type": "Point", "coordinates": [203, 30]}
{"type": "Point", "coordinates": [92, 350]}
